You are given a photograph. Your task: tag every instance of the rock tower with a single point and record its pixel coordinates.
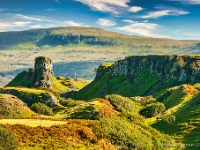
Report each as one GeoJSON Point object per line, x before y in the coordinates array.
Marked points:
{"type": "Point", "coordinates": [43, 72]}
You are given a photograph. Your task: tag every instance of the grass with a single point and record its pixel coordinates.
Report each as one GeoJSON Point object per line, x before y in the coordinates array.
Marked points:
{"type": "Point", "coordinates": [12, 107]}
{"type": "Point", "coordinates": [32, 43]}
{"type": "Point", "coordinates": [32, 122]}
{"type": "Point", "coordinates": [186, 126]}
{"type": "Point", "coordinates": [120, 84]}
{"type": "Point", "coordinates": [30, 96]}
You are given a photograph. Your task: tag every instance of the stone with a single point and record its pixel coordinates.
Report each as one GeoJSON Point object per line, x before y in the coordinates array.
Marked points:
{"type": "Point", "coordinates": [43, 72]}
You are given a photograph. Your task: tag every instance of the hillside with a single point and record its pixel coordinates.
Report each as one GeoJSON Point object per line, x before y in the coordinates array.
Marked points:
{"type": "Point", "coordinates": [84, 35]}
{"type": "Point", "coordinates": [154, 98]}
{"type": "Point", "coordinates": [76, 48]}
{"type": "Point", "coordinates": [142, 75]}
{"type": "Point", "coordinates": [181, 118]}
{"type": "Point", "coordinates": [12, 107]}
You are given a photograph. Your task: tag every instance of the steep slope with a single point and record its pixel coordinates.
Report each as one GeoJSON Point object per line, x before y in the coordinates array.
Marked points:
{"type": "Point", "coordinates": [181, 119]}
{"type": "Point", "coordinates": [143, 75]}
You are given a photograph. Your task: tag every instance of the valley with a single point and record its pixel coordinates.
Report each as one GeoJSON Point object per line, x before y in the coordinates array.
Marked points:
{"type": "Point", "coordinates": [92, 89]}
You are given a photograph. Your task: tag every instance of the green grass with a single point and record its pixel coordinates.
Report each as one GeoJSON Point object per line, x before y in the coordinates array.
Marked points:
{"type": "Point", "coordinates": [28, 95]}
{"type": "Point", "coordinates": [187, 114]}
{"type": "Point", "coordinates": [119, 84]}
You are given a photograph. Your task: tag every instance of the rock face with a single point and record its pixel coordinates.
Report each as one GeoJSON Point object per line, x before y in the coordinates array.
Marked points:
{"type": "Point", "coordinates": [43, 72]}
{"type": "Point", "coordinates": [178, 67]}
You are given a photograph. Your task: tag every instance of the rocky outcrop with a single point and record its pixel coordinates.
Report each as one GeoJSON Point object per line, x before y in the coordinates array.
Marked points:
{"type": "Point", "coordinates": [31, 96]}
{"type": "Point", "coordinates": [43, 72]}
{"type": "Point", "coordinates": [178, 67]}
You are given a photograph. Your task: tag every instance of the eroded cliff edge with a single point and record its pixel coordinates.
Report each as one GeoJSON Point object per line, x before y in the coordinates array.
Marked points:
{"type": "Point", "coordinates": [143, 75]}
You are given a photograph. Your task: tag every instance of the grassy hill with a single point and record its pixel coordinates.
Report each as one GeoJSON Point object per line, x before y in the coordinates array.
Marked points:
{"type": "Point", "coordinates": [181, 118]}
{"type": "Point", "coordinates": [84, 35]}
{"type": "Point", "coordinates": [12, 107]}
{"type": "Point", "coordinates": [142, 75]}
{"type": "Point", "coordinates": [86, 47]}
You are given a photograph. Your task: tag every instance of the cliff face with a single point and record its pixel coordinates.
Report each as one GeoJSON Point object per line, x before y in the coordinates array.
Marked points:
{"type": "Point", "coordinates": [143, 75]}
{"type": "Point", "coordinates": [180, 68]}
{"type": "Point", "coordinates": [43, 72]}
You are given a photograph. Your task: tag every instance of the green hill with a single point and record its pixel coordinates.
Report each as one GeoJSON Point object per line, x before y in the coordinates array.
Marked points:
{"type": "Point", "coordinates": [142, 75]}
{"type": "Point", "coordinates": [84, 35]}
{"type": "Point", "coordinates": [140, 102]}
{"type": "Point", "coordinates": [12, 107]}
{"type": "Point", "coordinates": [181, 118]}
{"type": "Point", "coordinates": [79, 47]}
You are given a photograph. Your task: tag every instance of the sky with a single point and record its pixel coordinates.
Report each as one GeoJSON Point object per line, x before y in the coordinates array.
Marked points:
{"type": "Point", "coordinates": [175, 19]}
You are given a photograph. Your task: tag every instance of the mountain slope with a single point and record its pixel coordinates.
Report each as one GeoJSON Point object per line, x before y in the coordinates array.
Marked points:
{"type": "Point", "coordinates": [86, 35]}
{"type": "Point", "coordinates": [81, 45]}
{"type": "Point", "coordinates": [182, 119]}
{"type": "Point", "coordinates": [143, 75]}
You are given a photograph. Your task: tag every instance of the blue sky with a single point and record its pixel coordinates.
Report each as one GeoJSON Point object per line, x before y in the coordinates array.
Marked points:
{"type": "Point", "coordinates": [176, 19]}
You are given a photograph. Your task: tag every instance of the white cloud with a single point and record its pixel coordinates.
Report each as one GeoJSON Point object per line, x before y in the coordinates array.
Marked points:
{"type": "Point", "coordinates": [36, 26]}
{"type": "Point", "coordinates": [6, 25]}
{"type": "Point", "coordinates": [28, 18]}
{"type": "Point", "coordinates": [72, 23]}
{"type": "Point", "coordinates": [105, 5]}
{"type": "Point", "coordinates": [34, 18]}
{"type": "Point", "coordinates": [21, 23]}
{"type": "Point", "coordinates": [166, 12]}
{"type": "Point", "coordinates": [194, 2]}
{"type": "Point", "coordinates": [140, 28]}
{"type": "Point", "coordinates": [105, 22]}
{"type": "Point", "coordinates": [135, 9]}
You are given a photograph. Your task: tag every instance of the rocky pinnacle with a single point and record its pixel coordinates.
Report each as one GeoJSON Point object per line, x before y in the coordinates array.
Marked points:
{"type": "Point", "coordinates": [43, 72]}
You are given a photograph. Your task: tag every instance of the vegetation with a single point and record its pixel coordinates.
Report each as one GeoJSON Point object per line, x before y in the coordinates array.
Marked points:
{"type": "Point", "coordinates": [8, 140]}
{"type": "Point", "coordinates": [152, 110]}
{"type": "Point", "coordinates": [12, 107]}
{"type": "Point", "coordinates": [142, 76]}
{"type": "Point", "coordinates": [80, 49]}
{"type": "Point", "coordinates": [123, 108]}
{"type": "Point", "coordinates": [41, 108]}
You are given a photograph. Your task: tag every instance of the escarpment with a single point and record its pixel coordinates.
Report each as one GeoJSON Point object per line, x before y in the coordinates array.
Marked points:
{"type": "Point", "coordinates": [180, 68]}
{"type": "Point", "coordinates": [143, 75]}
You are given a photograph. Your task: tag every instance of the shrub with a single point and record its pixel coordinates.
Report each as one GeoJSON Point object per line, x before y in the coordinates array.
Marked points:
{"type": "Point", "coordinates": [126, 135]}
{"type": "Point", "coordinates": [41, 108]}
{"type": "Point", "coordinates": [126, 106]}
{"type": "Point", "coordinates": [171, 119]}
{"type": "Point", "coordinates": [152, 110]}
{"type": "Point", "coordinates": [70, 102]}
{"type": "Point", "coordinates": [7, 140]}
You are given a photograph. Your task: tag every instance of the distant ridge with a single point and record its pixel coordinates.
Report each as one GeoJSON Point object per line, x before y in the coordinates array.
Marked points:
{"type": "Point", "coordinates": [84, 35]}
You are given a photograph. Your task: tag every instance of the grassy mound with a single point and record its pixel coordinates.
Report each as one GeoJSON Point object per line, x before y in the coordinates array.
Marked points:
{"type": "Point", "coordinates": [31, 96]}
{"type": "Point", "coordinates": [12, 107]}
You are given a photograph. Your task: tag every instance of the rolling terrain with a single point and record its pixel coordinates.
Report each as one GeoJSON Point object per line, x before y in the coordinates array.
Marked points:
{"type": "Point", "coordinates": [138, 102]}
{"type": "Point", "coordinates": [152, 106]}
{"type": "Point", "coordinates": [77, 48]}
